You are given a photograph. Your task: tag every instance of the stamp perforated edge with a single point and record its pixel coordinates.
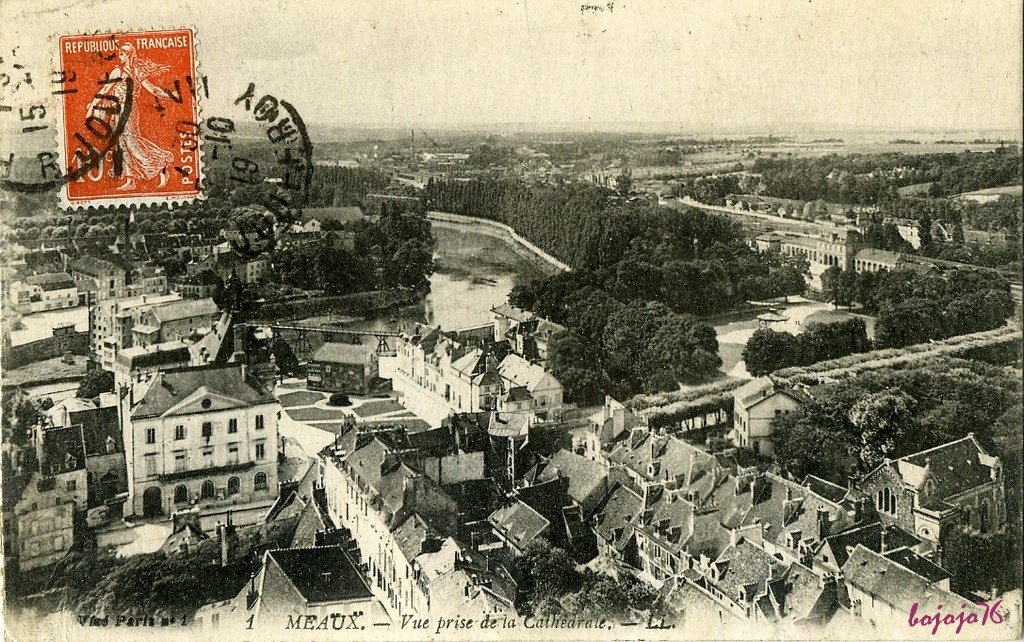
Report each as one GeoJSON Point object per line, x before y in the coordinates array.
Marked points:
{"type": "Point", "coordinates": [130, 203]}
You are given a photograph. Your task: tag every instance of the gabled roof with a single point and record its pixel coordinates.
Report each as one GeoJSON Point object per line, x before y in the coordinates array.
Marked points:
{"type": "Point", "coordinates": [746, 566]}
{"type": "Point", "coordinates": [521, 372]}
{"type": "Point", "coordinates": [894, 584]}
{"type": "Point", "coordinates": [615, 516]}
{"type": "Point", "coordinates": [519, 523]}
{"type": "Point", "coordinates": [585, 475]}
{"type": "Point", "coordinates": [321, 575]}
{"type": "Point", "coordinates": [508, 424]}
{"type": "Point", "coordinates": [947, 470]}
{"type": "Point", "coordinates": [171, 387]}
{"type": "Point", "coordinates": [870, 537]}
{"type": "Point", "coordinates": [63, 450]}
{"type": "Point", "coordinates": [754, 392]}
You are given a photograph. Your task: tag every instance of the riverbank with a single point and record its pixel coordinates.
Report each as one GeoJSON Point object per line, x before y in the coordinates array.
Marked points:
{"type": "Point", "coordinates": [487, 227]}
{"type": "Point", "coordinates": [359, 304]}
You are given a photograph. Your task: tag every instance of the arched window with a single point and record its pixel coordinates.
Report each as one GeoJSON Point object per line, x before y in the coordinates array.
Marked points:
{"type": "Point", "coordinates": [885, 501]}
{"type": "Point", "coordinates": [208, 490]}
{"type": "Point", "coordinates": [233, 486]}
{"type": "Point", "coordinates": [878, 501]}
{"type": "Point", "coordinates": [259, 482]}
{"type": "Point", "coordinates": [983, 516]}
{"type": "Point", "coordinates": [180, 494]}
{"type": "Point", "coordinates": [893, 506]}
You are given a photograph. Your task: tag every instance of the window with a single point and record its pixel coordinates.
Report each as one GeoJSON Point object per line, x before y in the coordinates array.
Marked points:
{"type": "Point", "coordinates": [233, 486]}
{"type": "Point", "coordinates": [207, 429]}
{"type": "Point", "coordinates": [207, 457]}
{"type": "Point", "coordinates": [261, 450]}
{"type": "Point", "coordinates": [111, 445]}
{"type": "Point", "coordinates": [150, 435]}
{"type": "Point", "coordinates": [180, 494]}
{"type": "Point", "coordinates": [179, 433]}
{"type": "Point", "coordinates": [885, 501]}
{"type": "Point", "coordinates": [233, 453]}
{"type": "Point", "coordinates": [207, 490]}
{"type": "Point", "coordinates": [151, 464]}
{"type": "Point", "coordinates": [72, 484]}
{"type": "Point", "coordinates": [180, 461]}
{"type": "Point", "coordinates": [259, 482]}
{"type": "Point", "coordinates": [232, 425]}
{"type": "Point", "coordinates": [259, 422]}
{"type": "Point", "coordinates": [983, 516]}
{"type": "Point", "coordinates": [967, 515]}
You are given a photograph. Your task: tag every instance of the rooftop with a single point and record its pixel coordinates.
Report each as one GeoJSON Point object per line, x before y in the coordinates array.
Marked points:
{"type": "Point", "coordinates": [343, 353]}
{"type": "Point", "coordinates": [171, 387]}
{"type": "Point", "coordinates": [322, 575]}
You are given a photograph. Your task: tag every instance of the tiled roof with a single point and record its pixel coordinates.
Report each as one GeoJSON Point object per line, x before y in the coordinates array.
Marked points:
{"type": "Point", "coordinates": [170, 387]}
{"type": "Point", "coordinates": [411, 535]}
{"type": "Point", "coordinates": [585, 475]}
{"type": "Point", "coordinates": [349, 353]}
{"type": "Point", "coordinates": [153, 356]}
{"type": "Point", "coordinates": [96, 267]}
{"type": "Point", "coordinates": [948, 469]}
{"type": "Point", "coordinates": [519, 523]}
{"type": "Point", "coordinates": [99, 424]}
{"type": "Point", "coordinates": [185, 309]}
{"type": "Point", "coordinates": [828, 490]}
{"type": "Point", "coordinates": [63, 450]}
{"type": "Point", "coordinates": [512, 312]}
{"type": "Point", "coordinates": [894, 584]}
{"type": "Point", "coordinates": [52, 281]}
{"type": "Point", "coordinates": [870, 537]}
{"type": "Point", "coordinates": [322, 575]}
{"type": "Point", "coordinates": [616, 514]}
{"type": "Point", "coordinates": [508, 424]}
{"type": "Point", "coordinates": [521, 372]}
{"type": "Point", "coordinates": [745, 566]}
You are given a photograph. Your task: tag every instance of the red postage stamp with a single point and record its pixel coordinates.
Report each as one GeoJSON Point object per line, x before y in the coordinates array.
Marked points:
{"type": "Point", "coordinates": [130, 118]}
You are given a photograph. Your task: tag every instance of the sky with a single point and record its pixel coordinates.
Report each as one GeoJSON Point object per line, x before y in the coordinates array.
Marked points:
{"type": "Point", "coordinates": [695, 65]}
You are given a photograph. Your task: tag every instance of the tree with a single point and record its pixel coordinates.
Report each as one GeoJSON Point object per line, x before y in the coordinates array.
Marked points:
{"type": "Point", "coordinates": [839, 286]}
{"type": "Point", "coordinates": [624, 182]}
{"type": "Point", "coordinates": [95, 383]}
{"type": "Point", "coordinates": [884, 419]}
{"type": "Point", "coordinates": [912, 321]}
{"type": "Point", "coordinates": [575, 362]}
{"type": "Point", "coordinates": [767, 351]}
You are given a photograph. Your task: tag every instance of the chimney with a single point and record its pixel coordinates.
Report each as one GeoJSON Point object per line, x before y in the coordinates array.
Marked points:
{"type": "Point", "coordinates": [225, 535]}
{"type": "Point", "coordinates": [823, 523]}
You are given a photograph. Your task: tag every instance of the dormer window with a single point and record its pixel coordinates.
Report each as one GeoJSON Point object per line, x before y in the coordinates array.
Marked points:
{"type": "Point", "coordinates": [110, 444]}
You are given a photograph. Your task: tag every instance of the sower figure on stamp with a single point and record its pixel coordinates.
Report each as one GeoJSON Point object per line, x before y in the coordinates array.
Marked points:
{"type": "Point", "coordinates": [141, 158]}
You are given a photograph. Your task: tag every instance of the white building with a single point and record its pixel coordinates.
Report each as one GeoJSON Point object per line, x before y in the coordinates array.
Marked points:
{"type": "Point", "coordinates": [113, 319]}
{"type": "Point", "coordinates": [42, 292]}
{"type": "Point", "coordinates": [756, 405]}
{"type": "Point", "coordinates": [199, 436]}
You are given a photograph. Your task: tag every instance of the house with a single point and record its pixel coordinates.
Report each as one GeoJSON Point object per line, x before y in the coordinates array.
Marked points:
{"type": "Point", "coordinates": [294, 585]}
{"type": "Point", "coordinates": [61, 454]}
{"type": "Point", "coordinates": [588, 479]}
{"type": "Point", "coordinates": [45, 517]}
{"type": "Point", "coordinates": [756, 405]}
{"type": "Point", "coordinates": [203, 284]}
{"type": "Point", "coordinates": [178, 320]}
{"type": "Point", "coordinates": [106, 278]}
{"type": "Point", "coordinates": [613, 524]}
{"type": "Point", "coordinates": [136, 365]}
{"type": "Point", "coordinates": [342, 367]}
{"type": "Point", "coordinates": [112, 321]}
{"type": "Point", "coordinates": [41, 292]}
{"type": "Point", "coordinates": [401, 520]}
{"type": "Point", "coordinates": [927, 493]}
{"type": "Point", "coordinates": [603, 429]}
{"type": "Point", "coordinates": [882, 592]}
{"type": "Point", "coordinates": [202, 436]}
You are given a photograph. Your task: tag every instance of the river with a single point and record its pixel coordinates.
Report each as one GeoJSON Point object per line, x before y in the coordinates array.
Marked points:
{"type": "Point", "coordinates": [473, 272]}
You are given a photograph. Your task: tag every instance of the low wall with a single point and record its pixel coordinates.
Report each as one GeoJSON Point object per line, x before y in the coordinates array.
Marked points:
{"type": "Point", "coordinates": [43, 349]}
{"type": "Point", "coordinates": [499, 230]}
